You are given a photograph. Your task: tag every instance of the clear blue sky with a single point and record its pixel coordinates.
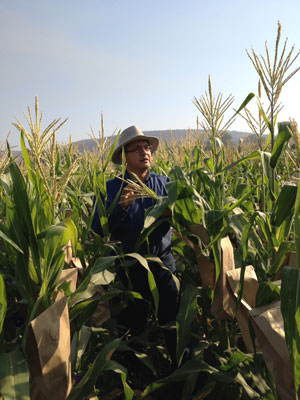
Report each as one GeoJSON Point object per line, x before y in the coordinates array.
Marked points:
{"type": "Point", "coordinates": [139, 61]}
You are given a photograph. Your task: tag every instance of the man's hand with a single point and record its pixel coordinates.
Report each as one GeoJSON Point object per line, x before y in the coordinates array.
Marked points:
{"type": "Point", "coordinates": [127, 197]}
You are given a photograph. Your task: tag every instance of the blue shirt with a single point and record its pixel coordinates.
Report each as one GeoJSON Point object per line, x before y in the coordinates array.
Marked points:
{"type": "Point", "coordinates": [127, 226]}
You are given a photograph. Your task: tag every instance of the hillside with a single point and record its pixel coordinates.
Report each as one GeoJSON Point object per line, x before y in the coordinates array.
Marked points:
{"type": "Point", "coordinates": [163, 135]}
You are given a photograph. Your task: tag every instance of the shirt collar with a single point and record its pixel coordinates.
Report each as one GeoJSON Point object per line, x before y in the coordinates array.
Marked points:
{"type": "Point", "coordinates": [128, 176]}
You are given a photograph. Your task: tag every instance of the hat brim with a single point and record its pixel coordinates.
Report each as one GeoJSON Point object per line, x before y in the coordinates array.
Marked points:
{"type": "Point", "coordinates": [153, 141]}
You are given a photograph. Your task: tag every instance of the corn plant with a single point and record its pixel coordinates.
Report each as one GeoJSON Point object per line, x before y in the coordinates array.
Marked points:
{"type": "Point", "coordinates": [273, 76]}
{"type": "Point", "coordinates": [45, 154]}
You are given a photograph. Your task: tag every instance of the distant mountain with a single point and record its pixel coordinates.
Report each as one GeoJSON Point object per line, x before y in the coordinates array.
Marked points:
{"type": "Point", "coordinates": [163, 135]}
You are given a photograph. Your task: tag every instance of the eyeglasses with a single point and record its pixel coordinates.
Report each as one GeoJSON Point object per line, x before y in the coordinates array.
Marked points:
{"type": "Point", "coordinates": [139, 149]}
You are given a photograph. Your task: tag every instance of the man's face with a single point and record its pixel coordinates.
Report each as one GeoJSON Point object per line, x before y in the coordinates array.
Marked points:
{"type": "Point", "coordinates": [138, 156]}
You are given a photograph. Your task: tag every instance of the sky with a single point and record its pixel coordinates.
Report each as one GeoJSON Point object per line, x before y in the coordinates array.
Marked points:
{"type": "Point", "coordinates": [140, 62]}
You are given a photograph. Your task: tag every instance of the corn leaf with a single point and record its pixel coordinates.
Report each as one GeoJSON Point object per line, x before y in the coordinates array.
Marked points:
{"type": "Point", "coordinates": [214, 222]}
{"type": "Point", "coordinates": [264, 115]}
{"type": "Point", "coordinates": [267, 293]}
{"type": "Point", "coordinates": [81, 312]}
{"type": "Point", "coordinates": [267, 169]}
{"type": "Point", "coordinates": [27, 160]}
{"type": "Point", "coordinates": [3, 302]}
{"type": "Point", "coordinates": [14, 376]}
{"type": "Point", "coordinates": [235, 359]}
{"type": "Point", "coordinates": [253, 156]}
{"type": "Point", "coordinates": [100, 189]}
{"type": "Point", "coordinates": [284, 205]}
{"type": "Point", "coordinates": [196, 367]}
{"type": "Point", "coordinates": [297, 223]}
{"type": "Point", "coordinates": [22, 210]}
{"type": "Point", "coordinates": [185, 317]}
{"type": "Point", "coordinates": [156, 211]}
{"type": "Point", "coordinates": [79, 343]}
{"type": "Point", "coordinates": [185, 208]}
{"type": "Point", "coordinates": [184, 372]}
{"type": "Point", "coordinates": [54, 241]}
{"type": "Point", "coordinates": [283, 136]}
{"type": "Point", "coordinates": [147, 231]}
{"type": "Point", "coordinates": [178, 190]}
{"type": "Point", "coordinates": [11, 242]}
{"type": "Point", "coordinates": [101, 363]}
{"type": "Point", "coordinates": [151, 281]}
{"type": "Point", "coordinates": [290, 309]}
{"type": "Point", "coordinates": [244, 103]}
{"type": "Point", "coordinates": [102, 263]}
{"type": "Point", "coordinates": [71, 233]}
{"type": "Point", "coordinates": [283, 250]}
{"type": "Point", "coordinates": [111, 151]}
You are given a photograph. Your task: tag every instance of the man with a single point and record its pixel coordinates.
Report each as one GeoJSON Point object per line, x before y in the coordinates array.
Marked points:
{"type": "Point", "coordinates": [126, 223]}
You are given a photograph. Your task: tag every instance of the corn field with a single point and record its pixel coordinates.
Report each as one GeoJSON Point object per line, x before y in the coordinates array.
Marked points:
{"type": "Point", "coordinates": [235, 217]}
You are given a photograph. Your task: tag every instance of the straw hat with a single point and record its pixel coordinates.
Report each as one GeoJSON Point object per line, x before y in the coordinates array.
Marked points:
{"type": "Point", "coordinates": [129, 135]}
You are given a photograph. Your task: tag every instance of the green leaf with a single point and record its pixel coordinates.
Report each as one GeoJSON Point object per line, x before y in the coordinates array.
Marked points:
{"type": "Point", "coordinates": [185, 317]}
{"type": "Point", "coordinates": [54, 241]}
{"type": "Point", "coordinates": [27, 160]}
{"type": "Point", "coordinates": [101, 206]}
{"type": "Point", "coordinates": [264, 115]}
{"type": "Point", "coordinates": [51, 232]}
{"type": "Point", "coordinates": [11, 242]}
{"type": "Point", "coordinates": [284, 205]}
{"type": "Point", "coordinates": [156, 211]}
{"type": "Point", "coordinates": [283, 250]}
{"type": "Point", "coordinates": [100, 265]}
{"type": "Point", "coordinates": [101, 363]}
{"type": "Point", "coordinates": [3, 302]}
{"type": "Point", "coordinates": [185, 371]}
{"type": "Point", "coordinates": [263, 222]}
{"type": "Point", "coordinates": [290, 309]}
{"type": "Point", "coordinates": [151, 281]}
{"type": "Point", "coordinates": [267, 169]}
{"type": "Point", "coordinates": [297, 223]}
{"type": "Point", "coordinates": [103, 263]}
{"type": "Point", "coordinates": [244, 103]}
{"type": "Point", "coordinates": [146, 232]}
{"type": "Point", "coordinates": [283, 136]}
{"type": "Point", "coordinates": [214, 222]}
{"type": "Point", "coordinates": [81, 312]}
{"type": "Point", "coordinates": [235, 359]}
{"type": "Point", "coordinates": [70, 233]}
{"type": "Point", "coordinates": [187, 210]}
{"type": "Point", "coordinates": [111, 151]}
{"type": "Point", "coordinates": [209, 162]}
{"type": "Point", "coordinates": [129, 393]}
{"type": "Point", "coordinates": [241, 200]}
{"type": "Point", "coordinates": [252, 394]}
{"type": "Point", "coordinates": [245, 235]}
{"type": "Point", "coordinates": [79, 343]}
{"type": "Point", "coordinates": [253, 156]}
{"type": "Point", "coordinates": [101, 278]}
{"type": "Point", "coordinates": [66, 288]}
{"type": "Point", "coordinates": [22, 210]}
{"type": "Point", "coordinates": [267, 293]}
{"type": "Point", "coordinates": [14, 376]}
{"type": "Point", "coordinates": [178, 190]}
